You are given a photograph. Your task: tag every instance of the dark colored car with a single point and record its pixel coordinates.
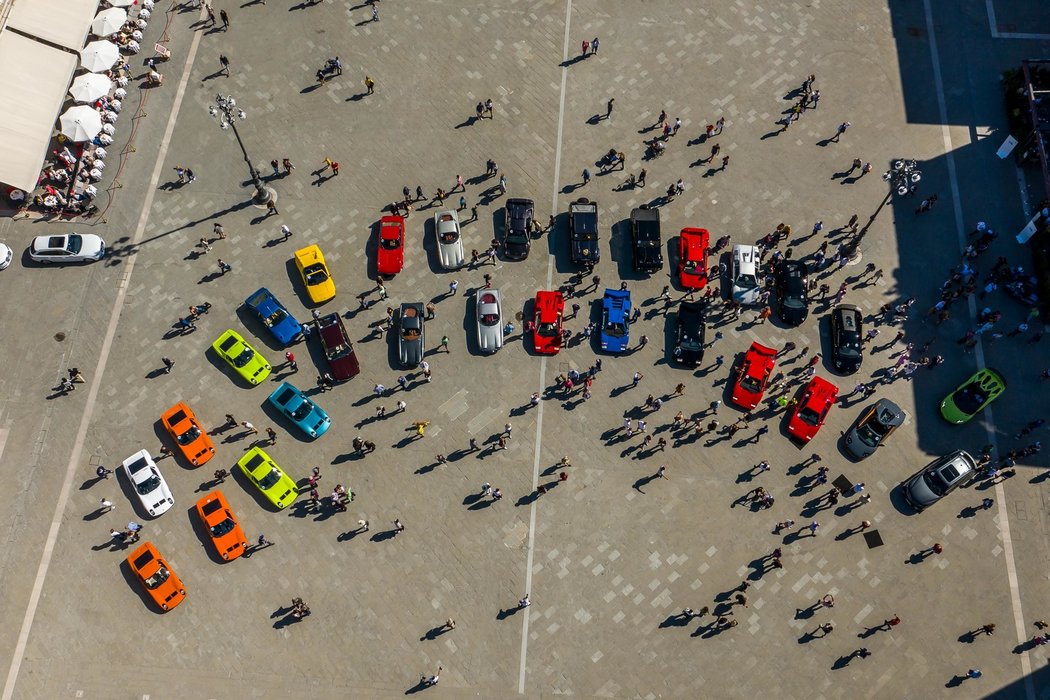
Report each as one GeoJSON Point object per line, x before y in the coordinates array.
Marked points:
{"type": "Point", "coordinates": [689, 334]}
{"type": "Point", "coordinates": [872, 428]}
{"type": "Point", "coordinates": [938, 478]}
{"type": "Point", "coordinates": [518, 214]}
{"type": "Point", "coordinates": [337, 347]}
{"type": "Point", "coordinates": [583, 232]}
{"type": "Point", "coordinates": [846, 330]}
{"type": "Point", "coordinates": [791, 291]}
{"type": "Point", "coordinates": [410, 339]}
{"type": "Point", "coordinates": [645, 237]}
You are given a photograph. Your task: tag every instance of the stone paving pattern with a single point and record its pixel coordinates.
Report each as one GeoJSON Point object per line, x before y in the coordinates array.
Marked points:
{"type": "Point", "coordinates": [617, 554]}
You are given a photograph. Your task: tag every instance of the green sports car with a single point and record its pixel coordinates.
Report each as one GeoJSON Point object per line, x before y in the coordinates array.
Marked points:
{"type": "Point", "coordinates": [231, 347]}
{"type": "Point", "coordinates": [970, 399]}
{"type": "Point", "coordinates": [277, 486]}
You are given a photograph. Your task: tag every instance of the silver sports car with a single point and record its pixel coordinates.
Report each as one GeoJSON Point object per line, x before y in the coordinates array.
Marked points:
{"type": "Point", "coordinates": [410, 345]}
{"type": "Point", "coordinates": [450, 243]}
{"type": "Point", "coordinates": [490, 320]}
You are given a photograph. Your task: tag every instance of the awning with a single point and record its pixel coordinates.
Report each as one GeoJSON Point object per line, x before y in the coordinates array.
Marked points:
{"type": "Point", "coordinates": [62, 22]}
{"type": "Point", "coordinates": [33, 81]}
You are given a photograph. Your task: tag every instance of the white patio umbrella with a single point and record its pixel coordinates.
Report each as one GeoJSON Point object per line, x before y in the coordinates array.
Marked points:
{"type": "Point", "coordinates": [99, 56]}
{"type": "Point", "coordinates": [109, 21]}
{"type": "Point", "coordinates": [90, 86]}
{"type": "Point", "coordinates": [81, 123]}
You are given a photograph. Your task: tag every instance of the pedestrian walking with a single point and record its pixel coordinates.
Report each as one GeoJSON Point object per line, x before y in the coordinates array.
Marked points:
{"type": "Point", "coordinates": [840, 130]}
{"type": "Point", "coordinates": [224, 266]}
{"type": "Point", "coordinates": [272, 435]}
{"type": "Point", "coordinates": [105, 505]}
{"type": "Point", "coordinates": [225, 19]}
{"type": "Point", "coordinates": [398, 526]}
{"type": "Point", "coordinates": [225, 63]}
{"type": "Point", "coordinates": [375, 13]}
{"type": "Point", "coordinates": [444, 343]}
{"type": "Point", "coordinates": [586, 176]}
{"type": "Point", "coordinates": [609, 107]}
{"type": "Point", "coordinates": [370, 85]}
{"type": "Point", "coordinates": [251, 429]}
{"type": "Point", "coordinates": [168, 364]}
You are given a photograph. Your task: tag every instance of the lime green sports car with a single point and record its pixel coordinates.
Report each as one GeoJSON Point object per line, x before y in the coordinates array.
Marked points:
{"type": "Point", "coordinates": [277, 486]}
{"type": "Point", "coordinates": [231, 347]}
{"type": "Point", "coordinates": [970, 399]}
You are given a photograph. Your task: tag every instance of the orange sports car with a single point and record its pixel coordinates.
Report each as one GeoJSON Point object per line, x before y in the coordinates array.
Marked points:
{"type": "Point", "coordinates": [188, 435]}
{"type": "Point", "coordinates": [164, 586]}
{"type": "Point", "coordinates": [226, 533]}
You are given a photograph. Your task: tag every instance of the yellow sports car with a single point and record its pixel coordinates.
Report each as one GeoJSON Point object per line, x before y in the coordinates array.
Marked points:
{"type": "Point", "coordinates": [231, 347]}
{"type": "Point", "coordinates": [277, 486]}
{"type": "Point", "coordinates": [316, 277]}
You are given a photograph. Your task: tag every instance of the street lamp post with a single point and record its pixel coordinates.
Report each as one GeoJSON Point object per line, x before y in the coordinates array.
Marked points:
{"type": "Point", "coordinates": [226, 108]}
{"type": "Point", "coordinates": [902, 174]}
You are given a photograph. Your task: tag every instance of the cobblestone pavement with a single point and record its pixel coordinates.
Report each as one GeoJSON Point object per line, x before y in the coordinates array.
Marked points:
{"type": "Point", "coordinates": [612, 555]}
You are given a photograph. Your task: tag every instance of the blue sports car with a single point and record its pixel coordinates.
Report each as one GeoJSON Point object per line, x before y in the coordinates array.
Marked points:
{"type": "Point", "coordinates": [306, 415]}
{"type": "Point", "coordinates": [274, 316]}
{"type": "Point", "coordinates": [616, 312]}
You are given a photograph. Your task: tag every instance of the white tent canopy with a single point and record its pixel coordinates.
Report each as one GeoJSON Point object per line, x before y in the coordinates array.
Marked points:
{"type": "Point", "coordinates": [26, 126]}
{"type": "Point", "coordinates": [61, 22]}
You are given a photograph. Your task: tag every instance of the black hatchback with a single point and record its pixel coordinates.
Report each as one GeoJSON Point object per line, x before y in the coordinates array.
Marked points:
{"type": "Point", "coordinates": [689, 335]}
{"type": "Point", "coordinates": [791, 291]}
{"type": "Point", "coordinates": [846, 330]}
{"type": "Point", "coordinates": [517, 237]}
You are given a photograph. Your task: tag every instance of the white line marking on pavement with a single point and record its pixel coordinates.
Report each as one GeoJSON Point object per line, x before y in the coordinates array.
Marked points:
{"type": "Point", "coordinates": [992, 24]}
{"type": "Point", "coordinates": [543, 361]}
{"type": "Point", "coordinates": [96, 382]}
{"type": "Point", "coordinates": [989, 425]}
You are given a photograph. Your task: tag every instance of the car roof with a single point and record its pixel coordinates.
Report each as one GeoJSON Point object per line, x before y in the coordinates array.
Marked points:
{"type": "Point", "coordinates": [645, 214]}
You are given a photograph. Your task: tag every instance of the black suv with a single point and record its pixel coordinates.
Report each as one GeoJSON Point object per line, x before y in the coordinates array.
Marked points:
{"type": "Point", "coordinates": [846, 330]}
{"type": "Point", "coordinates": [517, 237]}
{"type": "Point", "coordinates": [583, 232]}
{"type": "Point", "coordinates": [791, 291]}
{"type": "Point", "coordinates": [645, 237]}
{"type": "Point", "coordinates": [689, 335]}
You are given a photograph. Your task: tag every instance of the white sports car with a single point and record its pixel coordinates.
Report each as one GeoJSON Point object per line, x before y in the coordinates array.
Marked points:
{"type": "Point", "coordinates": [150, 486]}
{"type": "Point", "coordinates": [450, 243]}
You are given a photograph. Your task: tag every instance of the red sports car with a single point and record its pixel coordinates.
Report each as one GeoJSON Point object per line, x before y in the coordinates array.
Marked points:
{"type": "Point", "coordinates": [812, 409]}
{"type": "Point", "coordinates": [753, 375]}
{"type": "Point", "coordinates": [391, 256]}
{"type": "Point", "coordinates": [692, 257]}
{"type": "Point", "coordinates": [546, 334]}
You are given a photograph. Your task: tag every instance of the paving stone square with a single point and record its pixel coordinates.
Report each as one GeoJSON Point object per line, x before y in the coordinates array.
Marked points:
{"type": "Point", "coordinates": [611, 555]}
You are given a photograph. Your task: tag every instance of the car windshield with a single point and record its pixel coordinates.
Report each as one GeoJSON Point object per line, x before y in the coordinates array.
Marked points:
{"type": "Point", "coordinates": [970, 398]}
{"type": "Point", "coordinates": [515, 237]}
{"type": "Point", "coordinates": [746, 281]}
{"type": "Point", "coordinates": [547, 329]}
{"type": "Point", "coordinates": [616, 330]}
{"type": "Point", "coordinates": [793, 303]}
{"type": "Point", "coordinates": [74, 243]}
{"type": "Point", "coordinates": [189, 436]}
{"type": "Point", "coordinates": [149, 485]}
{"type": "Point", "coordinates": [392, 243]}
{"type": "Point", "coordinates": [302, 412]}
{"type": "Point", "coordinates": [871, 433]}
{"type": "Point", "coordinates": [270, 479]}
{"type": "Point", "coordinates": [244, 358]}
{"type": "Point", "coordinates": [808, 415]}
{"type": "Point", "coordinates": [690, 343]}
{"type": "Point", "coordinates": [162, 574]}
{"type": "Point", "coordinates": [276, 317]}
{"type": "Point", "coordinates": [935, 479]}
{"type": "Point", "coordinates": [222, 528]}
{"type": "Point", "coordinates": [691, 266]}
{"type": "Point", "coordinates": [315, 274]}
{"type": "Point", "coordinates": [751, 384]}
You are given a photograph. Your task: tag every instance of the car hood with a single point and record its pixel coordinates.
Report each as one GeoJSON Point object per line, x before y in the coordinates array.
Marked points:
{"type": "Point", "coordinates": [918, 491]}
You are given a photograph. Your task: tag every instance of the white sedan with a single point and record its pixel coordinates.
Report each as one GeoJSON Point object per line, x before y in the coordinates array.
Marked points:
{"type": "Point", "coordinates": [450, 243]}
{"type": "Point", "coordinates": [490, 320]}
{"type": "Point", "coordinates": [70, 247]}
{"type": "Point", "coordinates": [150, 486]}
